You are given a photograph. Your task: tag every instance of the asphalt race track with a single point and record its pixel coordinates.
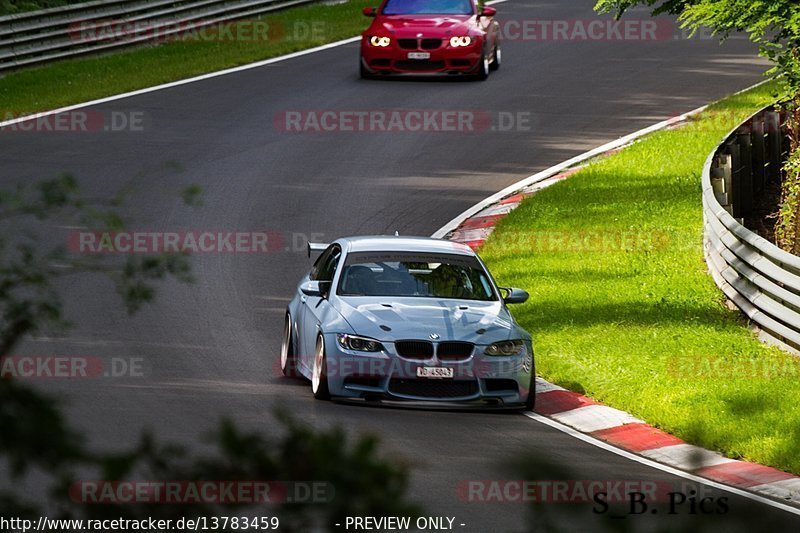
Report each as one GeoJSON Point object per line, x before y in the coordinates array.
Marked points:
{"type": "Point", "coordinates": [210, 348]}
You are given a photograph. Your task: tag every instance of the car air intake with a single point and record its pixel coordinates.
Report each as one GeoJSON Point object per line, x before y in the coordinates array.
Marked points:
{"type": "Point", "coordinates": [414, 349]}
{"type": "Point", "coordinates": [419, 65]}
{"type": "Point", "coordinates": [454, 351]}
{"type": "Point", "coordinates": [500, 385]}
{"type": "Point", "coordinates": [363, 381]}
{"type": "Point", "coordinates": [434, 388]}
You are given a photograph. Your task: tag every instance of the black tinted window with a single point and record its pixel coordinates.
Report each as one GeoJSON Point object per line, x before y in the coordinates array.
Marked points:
{"type": "Point", "coordinates": [325, 265]}
{"type": "Point", "coordinates": [415, 274]}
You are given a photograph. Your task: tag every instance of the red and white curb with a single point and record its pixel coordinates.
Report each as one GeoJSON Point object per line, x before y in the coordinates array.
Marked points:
{"type": "Point", "coordinates": [600, 422]}
{"type": "Point", "coordinates": [625, 431]}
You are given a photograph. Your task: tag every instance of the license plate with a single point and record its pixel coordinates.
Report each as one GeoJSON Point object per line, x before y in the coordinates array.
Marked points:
{"type": "Point", "coordinates": [434, 372]}
{"type": "Point", "coordinates": [419, 55]}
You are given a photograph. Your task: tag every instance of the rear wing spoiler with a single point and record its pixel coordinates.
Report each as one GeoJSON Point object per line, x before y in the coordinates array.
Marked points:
{"type": "Point", "coordinates": [317, 247]}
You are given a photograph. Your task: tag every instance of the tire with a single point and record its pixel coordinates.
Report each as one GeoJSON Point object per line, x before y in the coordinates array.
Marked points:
{"type": "Point", "coordinates": [530, 403]}
{"type": "Point", "coordinates": [498, 56]}
{"type": "Point", "coordinates": [288, 357]}
{"type": "Point", "coordinates": [319, 374]}
{"type": "Point", "coordinates": [483, 67]}
{"type": "Point", "coordinates": [363, 72]}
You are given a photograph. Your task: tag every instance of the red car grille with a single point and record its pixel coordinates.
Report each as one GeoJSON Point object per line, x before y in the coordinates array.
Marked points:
{"type": "Point", "coordinates": [430, 44]}
{"type": "Point", "coordinates": [407, 44]}
{"type": "Point", "coordinates": [416, 44]}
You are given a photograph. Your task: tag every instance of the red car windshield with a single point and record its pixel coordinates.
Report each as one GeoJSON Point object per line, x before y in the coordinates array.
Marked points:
{"type": "Point", "coordinates": [427, 7]}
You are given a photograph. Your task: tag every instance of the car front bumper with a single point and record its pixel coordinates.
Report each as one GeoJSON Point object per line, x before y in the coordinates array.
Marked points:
{"type": "Point", "coordinates": [443, 60]}
{"type": "Point", "coordinates": [478, 380]}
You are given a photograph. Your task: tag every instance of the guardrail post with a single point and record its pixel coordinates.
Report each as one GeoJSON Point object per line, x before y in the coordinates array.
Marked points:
{"type": "Point", "coordinates": [743, 174]}
{"type": "Point", "coordinates": [759, 156]}
{"type": "Point", "coordinates": [773, 125]}
{"type": "Point", "coordinates": [721, 180]}
{"type": "Point", "coordinates": [735, 194]}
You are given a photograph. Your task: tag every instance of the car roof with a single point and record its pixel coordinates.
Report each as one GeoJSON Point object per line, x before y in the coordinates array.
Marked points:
{"type": "Point", "coordinates": [387, 243]}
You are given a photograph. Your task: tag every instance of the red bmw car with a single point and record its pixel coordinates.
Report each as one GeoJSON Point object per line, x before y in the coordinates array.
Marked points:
{"type": "Point", "coordinates": [424, 37]}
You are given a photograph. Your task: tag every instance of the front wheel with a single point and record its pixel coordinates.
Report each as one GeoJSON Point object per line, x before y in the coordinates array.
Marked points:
{"type": "Point", "coordinates": [530, 402]}
{"type": "Point", "coordinates": [483, 67]}
{"type": "Point", "coordinates": [363, 72]}
{"type": "Point", "coordinates": [319, 374]}
{"type": "Point", "coordinates": [288, 358]}
{"type": "Point", "coordinates": [498, 56]}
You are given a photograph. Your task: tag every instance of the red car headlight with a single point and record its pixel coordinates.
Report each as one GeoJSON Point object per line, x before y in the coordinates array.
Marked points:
{"type": "Point", "coordinates": [459, 41]}
{"type": "Point", "coordinates": [380, 42]}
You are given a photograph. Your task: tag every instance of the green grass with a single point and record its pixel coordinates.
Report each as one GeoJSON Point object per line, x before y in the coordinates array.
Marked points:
{"type": "Point", "coordinates": [80, 80]}
{"type": "Point", "coordinates": [622, 307]}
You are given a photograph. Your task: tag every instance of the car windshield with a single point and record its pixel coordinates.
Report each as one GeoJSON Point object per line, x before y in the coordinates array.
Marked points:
{"type": "Point", "coordinates": [427, 7]}
{"type": "Point", "coordinates": [403, 274]}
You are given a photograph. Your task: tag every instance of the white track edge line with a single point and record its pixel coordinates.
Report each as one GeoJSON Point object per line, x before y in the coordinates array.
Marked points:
{"type": "Point", "coordinates": [194, 79]}
{"type": "Point", "coordinates": [660, 466]}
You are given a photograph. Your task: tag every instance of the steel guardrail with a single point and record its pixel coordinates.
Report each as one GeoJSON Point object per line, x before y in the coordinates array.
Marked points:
{"type": "Point", "coordinates": [37, 37]}
{"type": "Point", "coordinates": [760, 278]}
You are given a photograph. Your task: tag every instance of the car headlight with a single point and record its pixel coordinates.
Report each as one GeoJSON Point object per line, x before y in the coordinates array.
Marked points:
{"type": "Point", "coordinates": [381, 42]}
{"type": "Point", "coordinates": [358, 344]}
{"type": "Point", "coordinates": [455, 42]}
{"type": "Point", "coordinates": [505, 348]}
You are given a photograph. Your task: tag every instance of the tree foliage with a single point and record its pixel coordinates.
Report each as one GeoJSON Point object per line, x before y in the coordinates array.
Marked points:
{"type": "Point", "coordinates": [773, 24]}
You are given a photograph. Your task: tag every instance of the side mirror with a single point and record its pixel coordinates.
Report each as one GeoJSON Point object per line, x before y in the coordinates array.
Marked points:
{"type": "Point", "coordinates": [516, 296]}
{"type": "Point", "coordinates": [370, 11]}
{"type": "Point", "coordinates": [488, 11]}
{"type": "Point", "coordinates": [311, 288]}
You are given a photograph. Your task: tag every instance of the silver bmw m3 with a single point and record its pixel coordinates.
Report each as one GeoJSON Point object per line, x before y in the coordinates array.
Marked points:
{"type": "Point", "coordinates": [407, 319]}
